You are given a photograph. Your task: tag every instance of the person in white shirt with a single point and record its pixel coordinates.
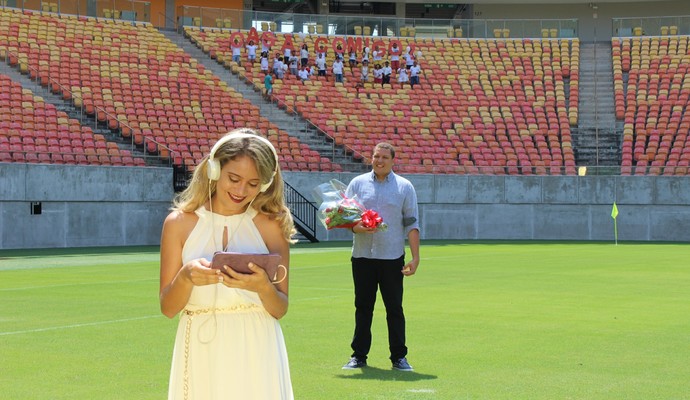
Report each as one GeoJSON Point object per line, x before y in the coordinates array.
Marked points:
{"type": "Point", "coordinates": [338, 69]}
{"type": "Point", "coordinates": [321, 64]}
{"type": "Point", "coordinates": [251, 51]}
{"type": "Point", "coordinates": [395, 57]}
{"type": "Point", "coordinates": [236, 52]}
{"type": "Point", "coordinates": [386, 72]}
{"type": "Point", "coordinates": [264, 62]}
{"type": "Point", "coordinates": [415, 70]}
{"type": "Point", "coordinates": [377, 54]}
{"type": "Point", "coordinates": [294, 65]}
{"type": "Point", "coordinates": [409, 59]}
{"type": "Point", "coordinates": [402, 76]}
{"type": "Point", "coordinates": [303, 73]}
{"type": "Point", "coordinates": [285, 68]}
{"type": "Point", "coordinates": [353, 61]}
{"type": "Point", "coordinates": [365, 56]}
{"type": "Point", "coordinates": [364, 75]}
{"type": "Point", "coordinates": [321, 51]}
{"type": "Point", "coordinates": [304, 55]}
{"type": "Point", "coordinates": [378, 73]}
{"type": "Point", "coordinates": [275, 59]}
{"type": "Point", "coordinates": [278, 68]}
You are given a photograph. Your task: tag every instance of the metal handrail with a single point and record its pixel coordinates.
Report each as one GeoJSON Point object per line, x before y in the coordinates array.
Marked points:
{"type": "Point", "coordinates": [303, 212]}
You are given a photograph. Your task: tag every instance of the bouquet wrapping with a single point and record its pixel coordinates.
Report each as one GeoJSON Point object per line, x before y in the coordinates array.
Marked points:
{"type": "Point", "coordinates": [339, 211]}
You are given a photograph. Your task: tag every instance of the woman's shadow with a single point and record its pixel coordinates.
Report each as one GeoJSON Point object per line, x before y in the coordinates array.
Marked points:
{"type": "Point", "coordinates": [380, 374]}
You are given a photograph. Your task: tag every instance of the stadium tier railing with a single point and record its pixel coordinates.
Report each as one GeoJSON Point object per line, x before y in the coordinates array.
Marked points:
{"type": "Point", "coordinates": [333, 24]}
{"type": "Point", "coordinates": [124, 10]}
{"type": "Point", "coordinates": [651, 26]}
{"type": "Point", "coordinates": [337, 24]}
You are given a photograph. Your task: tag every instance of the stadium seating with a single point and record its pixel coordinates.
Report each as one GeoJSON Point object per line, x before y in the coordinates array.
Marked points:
{"type": "Point", "coordinates": [132, 78]}
{"type": "Point", "coordinates": [490, 106]}
{"type": "Point", "coordinates": [35, 132]}
{"type": "Point", "coordinates": [652, 94]}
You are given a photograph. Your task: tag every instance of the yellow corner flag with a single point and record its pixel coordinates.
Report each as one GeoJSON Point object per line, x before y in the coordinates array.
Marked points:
{"type": "Point", "coordinates": [614, 214]}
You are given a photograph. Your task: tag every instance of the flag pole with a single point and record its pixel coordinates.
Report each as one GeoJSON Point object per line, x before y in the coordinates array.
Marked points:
{"type": "Point", "coordinates": [614, 215]}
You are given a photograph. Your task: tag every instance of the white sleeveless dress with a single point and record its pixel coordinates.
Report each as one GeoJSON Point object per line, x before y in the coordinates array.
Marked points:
{"type": "Point", "coordinates": [227, 345]}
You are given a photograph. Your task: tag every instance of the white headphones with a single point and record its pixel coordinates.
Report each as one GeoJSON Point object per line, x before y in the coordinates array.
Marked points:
{"type": "Point", "coordinates": [213, 165]}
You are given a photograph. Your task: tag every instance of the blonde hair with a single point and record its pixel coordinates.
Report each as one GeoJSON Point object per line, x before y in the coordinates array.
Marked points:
{"type": "Point", "coordinates": [271, 202]}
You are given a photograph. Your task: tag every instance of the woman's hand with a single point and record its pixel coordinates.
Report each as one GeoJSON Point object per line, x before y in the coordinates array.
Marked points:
{"type": "Point", "coordinates": [199, 273]}
{"type": "Point", "coordinates": [257, 281]}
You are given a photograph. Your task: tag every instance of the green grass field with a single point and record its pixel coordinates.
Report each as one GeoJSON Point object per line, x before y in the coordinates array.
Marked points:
{"type": "Point", "coordinates": [485, 321]}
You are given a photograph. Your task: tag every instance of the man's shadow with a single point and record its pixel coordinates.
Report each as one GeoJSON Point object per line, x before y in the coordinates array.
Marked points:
{"type": "Point", "coordinates": [380, 374]}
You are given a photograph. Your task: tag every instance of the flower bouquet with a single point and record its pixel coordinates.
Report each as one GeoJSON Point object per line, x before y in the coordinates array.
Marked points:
{"type": "Point", "coordinates": [339, 211]}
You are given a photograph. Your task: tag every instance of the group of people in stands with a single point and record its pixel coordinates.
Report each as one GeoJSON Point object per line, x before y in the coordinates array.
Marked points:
{"type": "Point", "coordinates": [298, 64]}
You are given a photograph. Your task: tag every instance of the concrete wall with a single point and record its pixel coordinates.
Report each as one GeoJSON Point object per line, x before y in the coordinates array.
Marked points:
{"type": "Point", "coordinates": [82, 206]}
{"type": "Point", "coordinates": [539, 207]}
{"type": "Point", "coordinates": [119, 206]}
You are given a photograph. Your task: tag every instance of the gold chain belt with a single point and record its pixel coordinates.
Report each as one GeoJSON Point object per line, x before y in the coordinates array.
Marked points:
{"type": "Point", "coordinates": [188, 329]}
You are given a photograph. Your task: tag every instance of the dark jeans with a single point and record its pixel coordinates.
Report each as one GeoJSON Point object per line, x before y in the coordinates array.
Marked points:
{"type": "Point", "coordinates": [369, 275]}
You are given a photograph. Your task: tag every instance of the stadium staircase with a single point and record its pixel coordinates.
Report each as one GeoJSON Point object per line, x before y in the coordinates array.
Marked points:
{"type": "Point", "coordinates": [596, 140]}
{"type": "Point", "coordinates": [291, 123]}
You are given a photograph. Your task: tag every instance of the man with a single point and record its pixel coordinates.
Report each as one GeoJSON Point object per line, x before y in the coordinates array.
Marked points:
{"type": "Point", "coordinates": [251, 52]}
{"type": "Point", "coordinates": [338, 69]}
{"type": "Point", "coordinates": [378, 257]}
{"type": "Point", "coordinates": [415, 70]}
{"type": "Point", "coordinates": [268, 84]}
{"type": "Point", "coordinates": [303, 73]}
{"type": "Point", "coordinates": [387, 71]}
{"type": "Point", "coordinates": [236, 51]}
{"type": "Point", "coordinates": [321, 64]}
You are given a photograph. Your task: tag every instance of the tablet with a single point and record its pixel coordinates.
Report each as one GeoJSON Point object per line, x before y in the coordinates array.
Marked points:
{"type": "Point", "coordinates": [239, 262]}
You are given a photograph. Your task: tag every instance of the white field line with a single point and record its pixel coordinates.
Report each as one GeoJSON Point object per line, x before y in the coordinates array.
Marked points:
{"type": "Point", "coordinates": [54, 328]}
{"type": "Point", "coordinates": [76, 284]}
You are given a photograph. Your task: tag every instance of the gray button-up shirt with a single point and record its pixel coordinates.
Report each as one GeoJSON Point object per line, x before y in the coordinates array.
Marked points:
{"type": "Point", "coordinates": [396, 202]}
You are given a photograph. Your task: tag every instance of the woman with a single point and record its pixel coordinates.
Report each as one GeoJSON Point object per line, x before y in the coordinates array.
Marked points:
{"type": "Point", "coordinates": [229, 343]}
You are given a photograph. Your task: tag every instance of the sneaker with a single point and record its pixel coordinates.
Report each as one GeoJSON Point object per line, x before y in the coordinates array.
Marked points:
{"type": "Point", "coordinates": [355, 363]}
{"type": "Point", "coordinates": [402, 365]}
